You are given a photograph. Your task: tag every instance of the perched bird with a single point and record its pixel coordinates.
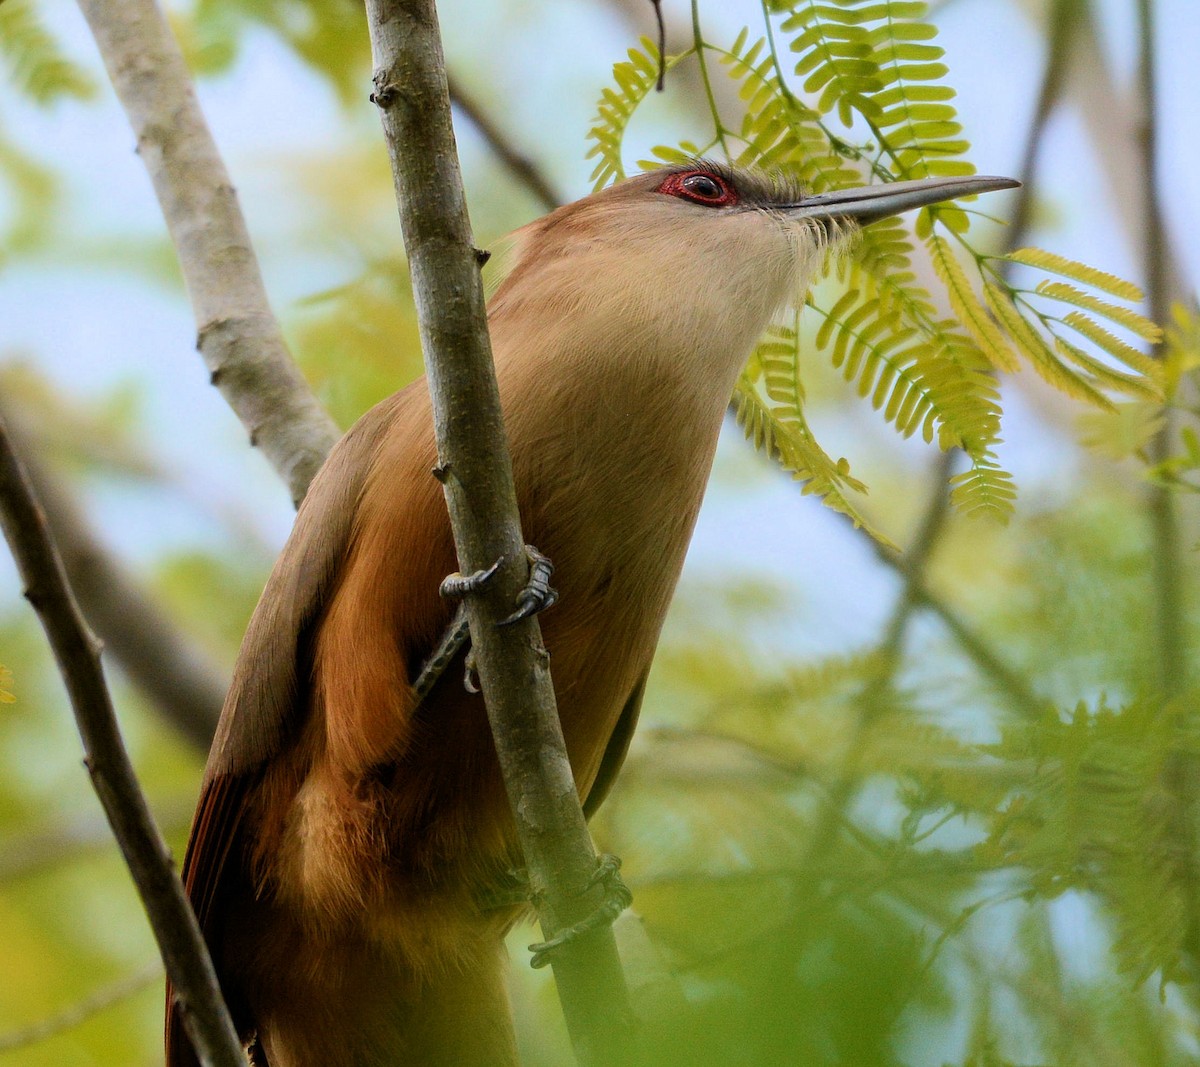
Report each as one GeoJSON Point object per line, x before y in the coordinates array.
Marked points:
{"type": "Point", "coordinates": [347, 830]}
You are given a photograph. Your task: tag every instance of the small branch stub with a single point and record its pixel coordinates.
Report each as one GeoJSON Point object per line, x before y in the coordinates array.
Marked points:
{"type": "Point", "coordinates": [385, 92]}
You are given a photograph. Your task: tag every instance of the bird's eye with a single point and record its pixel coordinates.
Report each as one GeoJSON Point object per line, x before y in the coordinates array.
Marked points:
{"type": "Point", "coordinates": [700, 187]}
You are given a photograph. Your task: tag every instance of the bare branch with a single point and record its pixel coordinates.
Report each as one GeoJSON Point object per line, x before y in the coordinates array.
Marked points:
{"type": "Point", "coordinates": [1064, 26]}
{"type": "Point", "coordinates": [1182, 771]}
{"type": "Point", "coordinates": [519, 164]}
{"type": "Point", "coordinates": [65, 842]}
{"type": "Point", "coordinates": [78, 654]}
{"type": "Point", "coordinates": [1168, 555]}
{"type": "Point", "coordinates": [76, 1014]}
{"type": "Point", "coordinates": [990, 662]}
{"type": "Point", "coordinates": [164, 664]}
{"type": "Point", "coordinates": [237, 334]}
{"type": "Point", "coordinates": [412, 95]}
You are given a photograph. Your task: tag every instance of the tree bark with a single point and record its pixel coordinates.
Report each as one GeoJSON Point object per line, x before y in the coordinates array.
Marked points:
{"type": "Point", "coordinates": [78, 654]}
{"type": "Point", "coordinates": [237, 333]}
{"type": "Point", "coordinates": [476, 472]}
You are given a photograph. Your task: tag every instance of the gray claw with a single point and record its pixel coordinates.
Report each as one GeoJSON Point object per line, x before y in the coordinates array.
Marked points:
{"type": "Point", "coordinates": [617, 898]}
{"type": "Point", "coordinates": [470, 674]}
{"type": "Point", "coordinates": [538, 594]}
{"type": "Point", "coordinates": [456, 586]}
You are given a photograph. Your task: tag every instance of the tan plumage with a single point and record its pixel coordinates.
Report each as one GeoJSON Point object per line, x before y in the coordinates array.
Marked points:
{"type": "Point", "coordinates": [343, 839]}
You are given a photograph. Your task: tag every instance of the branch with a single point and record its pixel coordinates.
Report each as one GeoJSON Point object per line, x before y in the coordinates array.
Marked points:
{"type": "Point", "coordinates": [474, 466]}
{"type": "Point", "coordinates": [78, 654]}
{"type": "Point", "coordinates": [76, 1014]}
{"type": "Point", "coordinates": [31, 853]}
{"type": "Point", "coordinates": [520, 165]}
{"type": "Point", "coordinates": [1065, 22]}
{"type": "Point", "coordinates": [1169, 566]}
{"type": "Point", "coordinates": [986, 658]}
{"type": "Point", "coordinates": [237, 334]}
{"type": "Point", "coordinates": [1182, 771]}
{"type": "Point", "coordinates": [157, 656]}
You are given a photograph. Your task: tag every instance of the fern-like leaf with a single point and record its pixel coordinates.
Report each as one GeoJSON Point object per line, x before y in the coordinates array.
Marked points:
{"type": "Point", "coordinates": [769, 403]}
{"type": "Point", "coordinates": [1122, 316]}
{"type": "Point", "coordinates": [1080, 272]}
{"type": "Point", "coordinates": [1041, 357]}
{"type": "Point", "coordinates": [635, 80]}
{"type": "Point", "coordinates": [967, 306]}
{"type": "Point", "coordinates": [986, 490]}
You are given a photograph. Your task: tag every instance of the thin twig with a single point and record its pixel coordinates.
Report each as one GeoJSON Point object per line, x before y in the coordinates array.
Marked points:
{"type": "Point", "coordinates": [519, 164]}
{"type": "Point", "coordinates": [1182, 772]}
{"type": "Point", "coordinates": [1065, 20]}
{"type": "Point", "coordinates": [161, 661]}
{"type": "Point", "coordinates": [78, 654]}
{"type": "Point", "coordinates": [1167, 556]}
{"type": "Point", "coordinates": [76, 1014]}
{"type": "Point", "coordinates": [709, 95]}
{"type": "Point", "coordinates": [49, 846]}
{"type": "Point", "coordinates": [661, 84]}
{"type": "Point", "coordinates": [237, 334]}
{"type": "Point", "coordinates": [413, 99]}
{"type": "Point", "coordinates": [686, 83]}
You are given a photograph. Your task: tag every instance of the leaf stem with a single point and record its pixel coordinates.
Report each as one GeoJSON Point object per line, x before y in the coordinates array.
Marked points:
{"type": "Point", "coordinates": [700, 45]}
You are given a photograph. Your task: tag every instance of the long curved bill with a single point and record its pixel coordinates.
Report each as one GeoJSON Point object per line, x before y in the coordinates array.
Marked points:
{"type": "Point", "coordinates": [870, 203]}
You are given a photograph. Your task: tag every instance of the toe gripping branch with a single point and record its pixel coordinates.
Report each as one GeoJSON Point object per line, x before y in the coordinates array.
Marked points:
{"type": "Point", "coordinates": [538, 595]}
{"type": "Point", "coordinates": [617, 898]}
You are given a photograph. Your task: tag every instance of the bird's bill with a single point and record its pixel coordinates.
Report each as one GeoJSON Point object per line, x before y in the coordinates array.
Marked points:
{"type": "Point", "coordinates": [870, 203]}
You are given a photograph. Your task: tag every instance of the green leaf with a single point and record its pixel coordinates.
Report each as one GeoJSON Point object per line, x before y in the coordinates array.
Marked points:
{"type": "Point", "coordinates": [1081, 272]}
{"type": "Point", "coordinates": [970, 311]}
{"type": "Point", "coordinates": [636, 78]}
{"type": "Point", "coordinates": [1122, 316]}
{"type": "Point", "coordinates": [36, 63]}
{"type": "Point", "coordinates": [1114, 346]}
{"type": "Point", "coordinates": [1034, 348]}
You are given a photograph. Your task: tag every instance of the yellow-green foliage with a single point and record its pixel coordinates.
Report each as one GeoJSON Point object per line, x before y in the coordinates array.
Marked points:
{"type": "Point", "coordinates": [873, 65]}
{"type": "Point", "coordinates": [36, 64]}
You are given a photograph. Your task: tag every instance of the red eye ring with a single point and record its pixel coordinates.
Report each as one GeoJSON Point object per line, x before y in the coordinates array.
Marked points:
{"type": "Point", "coordinates": [700, 187]}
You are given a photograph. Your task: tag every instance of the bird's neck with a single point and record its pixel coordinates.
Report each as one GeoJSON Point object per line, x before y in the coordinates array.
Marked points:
{"type": "Point", "coordinates": [613, 436]}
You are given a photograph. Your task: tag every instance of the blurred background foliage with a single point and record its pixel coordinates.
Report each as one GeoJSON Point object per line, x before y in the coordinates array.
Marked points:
{"type": "Point", "coordinates": [931, 809]}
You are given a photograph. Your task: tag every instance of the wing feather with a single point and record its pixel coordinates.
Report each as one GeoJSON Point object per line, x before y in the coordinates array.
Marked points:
{"type": "Point", "coordinates": [618, 748]}
{"type": "Point", "coordinates": [264, 706]}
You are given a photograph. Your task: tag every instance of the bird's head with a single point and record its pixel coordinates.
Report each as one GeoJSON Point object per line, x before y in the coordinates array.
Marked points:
{"type": "Point", "coordinates": [700, 253]}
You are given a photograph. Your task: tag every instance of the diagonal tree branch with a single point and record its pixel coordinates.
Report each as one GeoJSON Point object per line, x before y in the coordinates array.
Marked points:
{"type": "Point", "coordinates": [78, 654]}
{"type": "Point", "coordinates": [520, 165]}
{"type": "Point", "coordinates": [50, 846]}
{"type": "Point", "coordinates": [474, 465]}
{"type": "Point", "coordinates": [78, 1013]}
{"type": "Point", "coordinates": [237, 334]}
{"type": "Point", "coordinates": [161, 661]}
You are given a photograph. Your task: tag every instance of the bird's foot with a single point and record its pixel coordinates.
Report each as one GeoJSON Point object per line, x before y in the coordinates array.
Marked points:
{"type": "Point", "coordinates": [617, 898]}
{"type": "Point", "coordinates": [457, 635]}
{"type": "Point", "coordinates": [509, 890]}
{"type": "Point", "coordinates": [538, 594]}
{"type": "Point", "coordinates": [456, 586]}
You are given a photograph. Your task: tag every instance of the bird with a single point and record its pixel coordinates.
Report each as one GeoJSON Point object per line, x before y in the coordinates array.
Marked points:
{"type": "Point", "coordinates": [350, 829]}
